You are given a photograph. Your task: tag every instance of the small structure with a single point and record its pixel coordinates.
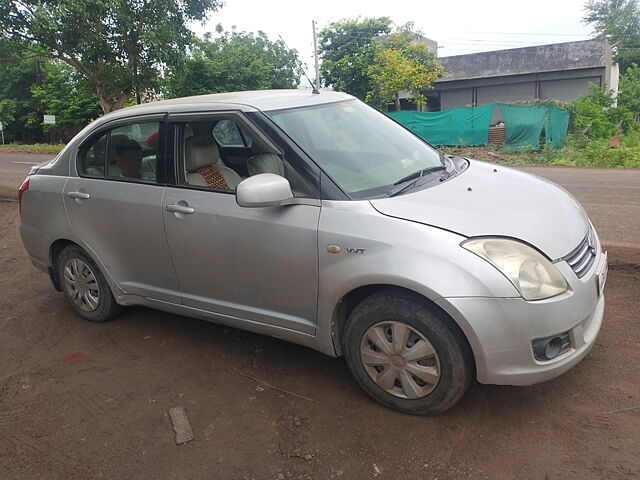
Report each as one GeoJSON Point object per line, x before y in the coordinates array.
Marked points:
{"type": "Point", "coordinates": [560, 71]}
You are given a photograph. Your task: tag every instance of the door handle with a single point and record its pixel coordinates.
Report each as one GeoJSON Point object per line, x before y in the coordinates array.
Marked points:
{"type": "Point", "coordinates": [180, 209]}
{"type": "Point", "coordinates": [81, 195]}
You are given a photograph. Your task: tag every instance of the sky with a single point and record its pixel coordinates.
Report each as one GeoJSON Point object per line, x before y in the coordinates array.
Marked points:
{"type": "Point", "coordinates": [459, 27]}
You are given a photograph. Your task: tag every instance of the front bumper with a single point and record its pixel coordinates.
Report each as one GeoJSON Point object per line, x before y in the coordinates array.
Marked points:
{"type": "Point", "coordinates": [501, 330]}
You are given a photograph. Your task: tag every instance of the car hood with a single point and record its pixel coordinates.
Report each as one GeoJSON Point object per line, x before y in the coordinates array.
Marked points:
{"type": "Point", "coordinates": [491, 200]}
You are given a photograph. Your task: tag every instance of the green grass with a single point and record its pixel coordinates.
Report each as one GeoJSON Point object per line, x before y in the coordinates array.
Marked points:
{"type": "Point", "coordinates": [576, 152]}
{"type": "Point", "coordinates": [37, 148]}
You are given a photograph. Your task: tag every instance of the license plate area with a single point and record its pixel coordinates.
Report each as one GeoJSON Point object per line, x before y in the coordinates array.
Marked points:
{"type": "Point", "coordinates": [602, 274]}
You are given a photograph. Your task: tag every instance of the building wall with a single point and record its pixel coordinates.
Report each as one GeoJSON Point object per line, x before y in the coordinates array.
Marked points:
{"type": "Point", "coordinates": [559, 71]}
{"type": "Point", "coordinates": [456, 97]}
{"type": "Point", "coordinates": [567, 89]}
{"type": "Point", "coordinates": [563, 86]}
{"type": "Point", "coordinates": [505, 93]}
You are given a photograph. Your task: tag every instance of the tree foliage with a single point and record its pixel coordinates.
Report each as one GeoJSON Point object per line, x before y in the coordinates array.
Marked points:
{"type": "Point", "coordinates": [65, 93]}
{"type": "Point", "coordinates": [619, 22]}
{"type": "Point", "coordinates": [235, 61]}
{"type": "Point", "coordinates": [119, 46]}
{"type": "Point", "coordinates": [402, 63]}
{"type": "Point", "coordinates": [594, 116]}
{"type": "Point", "coordinates": [629, 95]}
{"type": "Point", "coordinates": [19, 112]}
{"type": "Point", "coordinates": [31, 87]}
{"type": "Point", "coordinates": [347, 49]}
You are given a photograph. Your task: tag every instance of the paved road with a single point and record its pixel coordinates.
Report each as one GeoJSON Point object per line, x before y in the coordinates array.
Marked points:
{"type": "Point", "coordinates": [610, 196]}
{"type": "Point", "coordinates": [14, 167]}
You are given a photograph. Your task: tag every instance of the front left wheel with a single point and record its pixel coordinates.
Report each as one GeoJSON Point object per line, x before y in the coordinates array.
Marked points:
{"type": "Point", "coordinates": [84, 286]}
{"type": "Point", "coordinates": [407, 354]}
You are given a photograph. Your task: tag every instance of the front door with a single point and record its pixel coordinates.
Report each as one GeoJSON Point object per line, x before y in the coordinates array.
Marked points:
{"type": "Point", "coordinates": [254, 264]}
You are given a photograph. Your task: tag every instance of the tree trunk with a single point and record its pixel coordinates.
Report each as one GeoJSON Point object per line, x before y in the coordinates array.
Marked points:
{"type": "Point", "coordinates": [397, 97]}
{"type": "Point", "coordinates": [111, 101]}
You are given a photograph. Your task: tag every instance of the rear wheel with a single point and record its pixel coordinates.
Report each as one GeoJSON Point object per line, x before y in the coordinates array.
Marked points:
{"type": "Point", "coordinates": [406, 354]}
{"type": "Point", "coordinates": [84, 286]}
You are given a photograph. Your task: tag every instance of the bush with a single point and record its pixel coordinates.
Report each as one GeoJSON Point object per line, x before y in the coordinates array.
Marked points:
{"type": "Point", "coordinates": [594, 116]}
{"type": "Point", "coordinates": [598, 153]}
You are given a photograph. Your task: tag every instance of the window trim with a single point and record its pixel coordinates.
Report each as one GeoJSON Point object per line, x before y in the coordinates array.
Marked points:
{"type": "Point", "coordinates": [240, 134]}
{"type": "Point", "coordinates": [107, 127]}
{"type": "Point", "coordinates": [242, 121]}
{"type": "Point", "coordinates": [185, 117]}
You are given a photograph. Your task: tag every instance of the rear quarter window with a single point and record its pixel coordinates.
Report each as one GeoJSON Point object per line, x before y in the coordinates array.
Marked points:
{"type": "Point", "coordinates": [93, 158]}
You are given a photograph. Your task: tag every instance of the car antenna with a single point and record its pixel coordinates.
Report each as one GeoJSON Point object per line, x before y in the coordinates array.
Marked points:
{"type": "Point", "coordinates": [315, 90]}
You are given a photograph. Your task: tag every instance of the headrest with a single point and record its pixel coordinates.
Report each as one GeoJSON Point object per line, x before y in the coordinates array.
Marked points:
{"type": "Point", "coordinates": [201, 151]}
{"type": "Point", "coordinates": [114, 142]}
{"type": "Point", "coordinates": [265, 163]}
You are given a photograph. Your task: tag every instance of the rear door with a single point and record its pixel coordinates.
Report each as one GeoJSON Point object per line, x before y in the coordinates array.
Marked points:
{"type": "Point", "coordinates": [114, 206]}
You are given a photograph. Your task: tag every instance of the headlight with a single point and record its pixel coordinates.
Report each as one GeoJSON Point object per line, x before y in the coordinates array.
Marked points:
{"type": "Point", "coordinates": [533, 275]}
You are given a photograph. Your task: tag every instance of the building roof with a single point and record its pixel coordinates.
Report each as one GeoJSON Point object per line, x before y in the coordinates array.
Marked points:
{"type": "Point", "coordinates": [541, 58]}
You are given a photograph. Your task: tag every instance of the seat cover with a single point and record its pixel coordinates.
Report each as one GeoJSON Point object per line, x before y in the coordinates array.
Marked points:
{"type": "Point", "coordinates": [201, 151]}
{"type": "Point", "coordinates": [265, 163]}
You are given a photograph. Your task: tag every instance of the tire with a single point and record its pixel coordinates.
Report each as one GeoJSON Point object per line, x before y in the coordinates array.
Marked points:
{"type": "Point", "coordinates": [443, 359]}
{"type": "Point", "coordinates": [84, 286]}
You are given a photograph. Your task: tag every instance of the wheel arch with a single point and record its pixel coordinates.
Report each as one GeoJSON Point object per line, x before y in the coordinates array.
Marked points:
{"type": "Point", "coordinates": [349, 301]}
{"type": "Point", "coordinates": [54, 252]}
{"type": "Point", "coordinates": [58, 246]}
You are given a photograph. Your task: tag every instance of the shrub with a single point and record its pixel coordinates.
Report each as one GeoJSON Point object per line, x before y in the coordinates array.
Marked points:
{"type": "Point", "coordinates": [594, 116]}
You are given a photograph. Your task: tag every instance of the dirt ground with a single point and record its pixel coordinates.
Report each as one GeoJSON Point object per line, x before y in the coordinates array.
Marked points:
{"type": "Point", "coordinates": [82, 400]}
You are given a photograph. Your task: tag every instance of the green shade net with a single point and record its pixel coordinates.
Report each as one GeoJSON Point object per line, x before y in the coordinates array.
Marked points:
{"type": "Point", "coordinates": [457, 126]}
{"type": "Point", "coordinates": [556, 125]}
{"type": "Point", "coordinates": [525, 124]}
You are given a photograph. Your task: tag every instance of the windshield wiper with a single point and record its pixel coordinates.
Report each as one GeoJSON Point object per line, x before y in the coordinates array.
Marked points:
{"type": "Point", "coordinates": [415, 176]}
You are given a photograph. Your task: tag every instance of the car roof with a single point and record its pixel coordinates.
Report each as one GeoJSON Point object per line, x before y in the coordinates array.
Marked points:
{"type": "Point", "coordinates": [257, 99]}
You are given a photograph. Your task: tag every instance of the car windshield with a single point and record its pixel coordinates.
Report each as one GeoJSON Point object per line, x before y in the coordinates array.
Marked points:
{"type": "Point", "coordinates": [362, 150]}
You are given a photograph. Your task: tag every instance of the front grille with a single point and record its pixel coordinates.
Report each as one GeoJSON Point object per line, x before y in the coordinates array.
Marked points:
{"type": "Point", "coordinates": [583, 256]}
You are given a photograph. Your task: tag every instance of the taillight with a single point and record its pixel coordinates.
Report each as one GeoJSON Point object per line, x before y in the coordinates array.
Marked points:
{"type": "Point", "coordinates": [23, 188]}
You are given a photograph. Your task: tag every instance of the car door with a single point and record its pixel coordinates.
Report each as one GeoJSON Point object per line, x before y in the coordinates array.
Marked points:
{"type": "Point", "coordinates": [114, 206]}
{"type": "Point", "coordinates": [255, 264]}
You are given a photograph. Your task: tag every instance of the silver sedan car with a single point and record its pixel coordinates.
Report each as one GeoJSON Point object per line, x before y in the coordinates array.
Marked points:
{"type": "Point", "coordinates": [316, 219]}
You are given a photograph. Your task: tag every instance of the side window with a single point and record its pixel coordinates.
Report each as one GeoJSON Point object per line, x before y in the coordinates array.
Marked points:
{"type": "Point", "coordinates": [93, 158]}
{"type": "Point", "coordinates": [132, 152]}
{"type": "Point", "coordinates": [216, 153]}
{"type": "Point", "coordinates": [227, 134]}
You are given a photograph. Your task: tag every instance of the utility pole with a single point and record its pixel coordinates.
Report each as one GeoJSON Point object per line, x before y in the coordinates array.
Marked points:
{"type": "Point", "coordinates": [315, 54]}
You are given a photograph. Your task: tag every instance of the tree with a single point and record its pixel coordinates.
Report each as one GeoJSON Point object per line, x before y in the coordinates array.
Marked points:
{"type": "Point", "coordinates": [347, 49]}
{"type": "Point", "coordinates": [619, 22]}
{"type": "Point", "coordinates": [629, 95]}
{"type": "Point", "coordinates": [120, 46]}
{"type": "Point", "coordinates": [401, 63]}
{"type": "Point", "coordinates": [235, 61]}
{"type": "Point", "coordinates": [19, 112]}
{"type": "Point", "coordinates": [65, 93]}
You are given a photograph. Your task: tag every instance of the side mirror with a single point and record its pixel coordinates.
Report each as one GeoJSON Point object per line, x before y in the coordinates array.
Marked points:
{"type": "Point", "coordinates": [263, 190]}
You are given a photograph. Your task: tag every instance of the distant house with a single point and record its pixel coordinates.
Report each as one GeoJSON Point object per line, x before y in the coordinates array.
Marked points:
{"type": "Point", "coordinates": [560, 71]}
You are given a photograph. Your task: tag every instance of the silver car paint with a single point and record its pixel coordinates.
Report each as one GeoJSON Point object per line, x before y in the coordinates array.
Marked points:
{"type": "Point", "coordinates": [255, 263]}
{"type": "Point", "coordinates": [422, 254]}
{"type": "Point", "coordinates": [498, 201]}
{"type": "Point", "coordinates": [122, 224]}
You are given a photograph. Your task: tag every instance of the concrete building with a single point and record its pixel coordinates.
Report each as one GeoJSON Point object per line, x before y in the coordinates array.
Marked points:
{"type": "Point", "coordinates": [560, 71]}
